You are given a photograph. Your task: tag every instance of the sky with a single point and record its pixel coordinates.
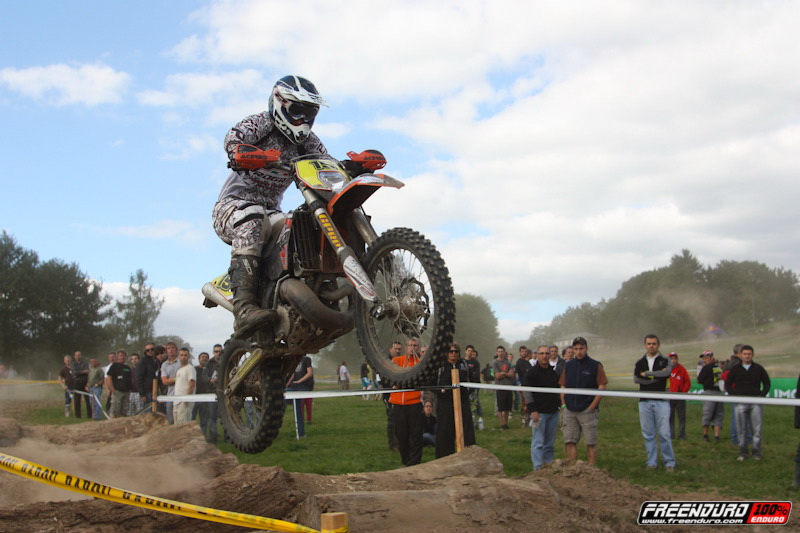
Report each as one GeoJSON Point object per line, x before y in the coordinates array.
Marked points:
{"type": "Point", "coordinates": [551, 150]}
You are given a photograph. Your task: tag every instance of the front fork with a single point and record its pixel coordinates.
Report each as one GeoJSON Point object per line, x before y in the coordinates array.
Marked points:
{"type": "Point", "coordinates": [352, 267]}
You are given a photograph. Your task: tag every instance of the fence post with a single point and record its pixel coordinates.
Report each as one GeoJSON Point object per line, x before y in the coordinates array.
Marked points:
{"type": "Point", "coordinates": [459, 422]}
{"type": "Point", "coordinates": [334, 522]}
{"type": "Point", "coordinates": [154, 403]}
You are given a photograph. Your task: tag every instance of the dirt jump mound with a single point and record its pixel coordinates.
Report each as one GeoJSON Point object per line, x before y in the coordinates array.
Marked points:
{"type": "Point", "coordinates": [466, 492]}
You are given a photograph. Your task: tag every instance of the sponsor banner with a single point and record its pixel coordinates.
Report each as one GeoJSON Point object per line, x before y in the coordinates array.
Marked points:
{"type": "Point", "coordinates": [779, 388]}
{"type": "Point", "coordinates": [714, 513]}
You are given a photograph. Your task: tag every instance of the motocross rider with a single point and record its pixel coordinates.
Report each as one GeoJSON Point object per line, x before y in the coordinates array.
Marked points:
{"type": "Point", "coordinates": [254, 189]}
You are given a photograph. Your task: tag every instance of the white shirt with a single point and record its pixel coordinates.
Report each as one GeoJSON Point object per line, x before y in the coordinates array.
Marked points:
{"type": "Point", "coordinates": [186, 374]}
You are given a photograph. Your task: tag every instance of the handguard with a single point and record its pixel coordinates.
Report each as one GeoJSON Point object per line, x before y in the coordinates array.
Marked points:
{"type": "Point", "coordinates": [371, 160]}
{"type": "Point", "coordinates": [250, 157]}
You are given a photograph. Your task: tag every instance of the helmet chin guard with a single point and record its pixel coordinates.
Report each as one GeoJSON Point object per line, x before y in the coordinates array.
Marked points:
{"type": "Point", "coordinates": [293, 106]}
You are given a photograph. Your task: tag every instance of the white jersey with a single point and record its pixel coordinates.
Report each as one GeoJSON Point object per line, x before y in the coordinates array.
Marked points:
{"type": "Point", "coordinates": [264, 186]}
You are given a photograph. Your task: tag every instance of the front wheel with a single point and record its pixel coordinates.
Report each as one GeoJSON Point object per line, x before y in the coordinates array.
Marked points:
{"type": "Point", "coordinates": [416, 296]}
{"type": "Point", "coordinates": [252, 417]}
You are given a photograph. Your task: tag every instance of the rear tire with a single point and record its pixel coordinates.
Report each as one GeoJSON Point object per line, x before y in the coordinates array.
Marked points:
{"type": "Point", "coordinates": [252, 417]}
{"type": "Point", "coordinates": [413, 284]}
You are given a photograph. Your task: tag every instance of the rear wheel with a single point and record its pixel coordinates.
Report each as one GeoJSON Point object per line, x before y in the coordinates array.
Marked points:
{"type": "Point", "coordinates": [253, 416]}
{"type": "Point", "coordinates": [416, 295]}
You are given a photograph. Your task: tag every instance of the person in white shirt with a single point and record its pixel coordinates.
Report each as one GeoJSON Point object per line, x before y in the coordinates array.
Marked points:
{"type": "Point", "coordinates": [185, 381]}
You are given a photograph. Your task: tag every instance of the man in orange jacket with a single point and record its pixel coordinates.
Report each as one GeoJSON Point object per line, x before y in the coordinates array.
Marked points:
{"type": "Point", "coordinates": [407, 411]}
{"type": "Point", "coordinates": [679, 381]}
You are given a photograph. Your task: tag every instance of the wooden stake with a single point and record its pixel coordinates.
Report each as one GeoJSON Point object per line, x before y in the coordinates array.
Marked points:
{"type": "Point", "coordinates": [334, 522]}
{"type": "Point", "coordinates": [154, 403]}
{"type": "Point", "coordinates": [457, 411]}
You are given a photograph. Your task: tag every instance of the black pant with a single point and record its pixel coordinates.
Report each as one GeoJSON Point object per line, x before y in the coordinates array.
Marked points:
{"type": "Point", "coordinates": [408, 428]}
{"type": "Point", "coordinates": [390, 435]}
{"type": "Point", "coordinates": [677, 406]}
{"type": "Point", "coordinates": [80, 385]}
{"type": "Point", "coordinates": [446, 426]}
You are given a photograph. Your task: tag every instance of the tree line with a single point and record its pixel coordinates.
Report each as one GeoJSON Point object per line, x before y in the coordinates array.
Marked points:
{"type": "Point", "coordinates": [683, 298]}
{"type": "Point", "coordinates": [52, 308]}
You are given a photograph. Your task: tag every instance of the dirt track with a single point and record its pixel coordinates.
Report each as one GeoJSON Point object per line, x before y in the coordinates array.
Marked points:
{"type": "Point", "coordinates": [467, 492]}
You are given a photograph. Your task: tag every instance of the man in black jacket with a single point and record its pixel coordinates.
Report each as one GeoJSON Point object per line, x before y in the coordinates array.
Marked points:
{"type": "Point", "coordinates": [145, 374]}
{"type": "Point", "coordinates": [748, 379]}
{"type": "Point", "coordinates": [651, 373]}
{"type": "Point", "coordinates": [543, 408]}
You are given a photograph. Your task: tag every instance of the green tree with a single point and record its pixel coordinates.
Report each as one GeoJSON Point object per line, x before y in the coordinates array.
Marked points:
{"type": "Point", "coordinates": [17, 270]}
{"type": "Point", "coordinates": [749, 294]}
{"type": "Point", "coordinates": [164, 339]}
{"type": "Point", "coordinates": [46, 310]}
{"type": "Point", "coordinates": [134, 321]}
{"type": "Point", "coordinates": [476, 324]}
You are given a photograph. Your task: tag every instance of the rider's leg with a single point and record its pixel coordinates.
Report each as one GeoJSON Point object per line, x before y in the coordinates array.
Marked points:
{"type": "Point", "coordinates": [244, 226]}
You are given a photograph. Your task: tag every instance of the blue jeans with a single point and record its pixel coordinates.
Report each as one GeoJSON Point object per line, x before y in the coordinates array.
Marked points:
{"type": "Point", "coordinates": [212, 423]}
{"type": "Point", "coordinates": [752, 414]}
{"type": "Point", "coordinates": [97, 410]}
{"type": "Point", "coordinates": [298, 409]}
{"type": "Point", "coordinates": [654, 419]}
{"type": "Point", "coordinates": [735, 429]}
{"type": "Point", "coordinates": [543, 439]}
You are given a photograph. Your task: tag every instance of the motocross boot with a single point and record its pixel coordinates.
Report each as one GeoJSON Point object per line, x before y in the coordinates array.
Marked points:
{"type": "Point", "coordinates": [248, 316]}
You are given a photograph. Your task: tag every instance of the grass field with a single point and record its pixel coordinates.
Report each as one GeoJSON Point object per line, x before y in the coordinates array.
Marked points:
{"type": "Point", "coordinates": [349, 435]}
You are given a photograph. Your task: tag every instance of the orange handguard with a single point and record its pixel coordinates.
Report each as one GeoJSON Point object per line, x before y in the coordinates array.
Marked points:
{"type": "Point", "coordinates": [250, 157]}
{"type": "Point", "coordinates": [371, 160]}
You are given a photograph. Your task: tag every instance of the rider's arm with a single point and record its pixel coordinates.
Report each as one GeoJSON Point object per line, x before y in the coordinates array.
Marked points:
{"type": "Point", "coordinates": [249, 130]}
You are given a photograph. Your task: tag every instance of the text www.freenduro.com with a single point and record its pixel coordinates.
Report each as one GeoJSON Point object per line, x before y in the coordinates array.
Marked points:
{"type": "Point", "coordinates": [714, 513]}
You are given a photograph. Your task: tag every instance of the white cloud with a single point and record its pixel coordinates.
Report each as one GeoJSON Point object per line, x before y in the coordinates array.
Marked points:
{"type": "Point", "coordinates": [183, 314]}
{"type": "Point", "coordinates": [201, 89]}
{"type": "Point", "coordinates": [570, 146]}
{"type": "Point", "coordinates": [179, 230]}
{"type": "Point", "coordinates": [63, 84]}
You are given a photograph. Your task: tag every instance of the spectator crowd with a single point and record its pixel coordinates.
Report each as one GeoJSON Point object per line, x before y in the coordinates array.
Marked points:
{"type": "Point", "coordinates": [126, 386]}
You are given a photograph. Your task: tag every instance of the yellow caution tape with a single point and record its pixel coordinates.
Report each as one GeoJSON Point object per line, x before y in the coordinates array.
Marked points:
{"type": "Point", "coordinates": [53, 477]}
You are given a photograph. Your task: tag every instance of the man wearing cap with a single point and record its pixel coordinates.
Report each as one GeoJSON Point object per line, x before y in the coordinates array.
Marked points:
{"type": "Point", "coordinates": [713, 412]}
{"type": "Point", "coordinates": [748, 379]}
{"type": "Point", "coordinates": [581, 415]}
{"type": "Point", "coordinates": [651, 373]}
{"type": "Point", "coordinates": [679, 381]}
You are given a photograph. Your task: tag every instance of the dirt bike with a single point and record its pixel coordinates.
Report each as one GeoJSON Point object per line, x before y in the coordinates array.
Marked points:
{"type": "Point", "coordinates": [328, 271]}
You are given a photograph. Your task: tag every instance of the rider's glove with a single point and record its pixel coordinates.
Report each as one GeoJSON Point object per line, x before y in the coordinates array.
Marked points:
{"type": "Point", "coordinates": [250, 157]}
{"type": "Point", "coordinates": [370, 160]}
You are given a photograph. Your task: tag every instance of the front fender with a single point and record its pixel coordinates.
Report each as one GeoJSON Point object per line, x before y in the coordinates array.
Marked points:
{"type": "Point", "coordinates": [356, 192]}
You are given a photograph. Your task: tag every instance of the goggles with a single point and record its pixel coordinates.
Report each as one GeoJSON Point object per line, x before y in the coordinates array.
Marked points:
{"type": "Point", "coordinates": [299, 111]}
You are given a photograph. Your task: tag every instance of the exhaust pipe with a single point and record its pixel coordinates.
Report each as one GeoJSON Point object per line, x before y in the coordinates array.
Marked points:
{"type": "Point", "coordinates": [308, 305]}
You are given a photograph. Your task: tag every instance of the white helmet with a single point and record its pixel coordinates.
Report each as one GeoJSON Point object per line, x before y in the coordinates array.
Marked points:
{"type": "Point", "coordinates": [293, 106]}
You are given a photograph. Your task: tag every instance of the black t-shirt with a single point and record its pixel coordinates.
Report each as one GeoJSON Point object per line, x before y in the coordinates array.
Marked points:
{"type": "Point", "coordinates": [300, 371]}
{"type": "Point", "coordinates": [120, 375]}
{"type": "Point", "coordinates": [474, 370]}
{"type": "Point", "coordinates": [522, 366]}
{"type": "Point", "coordinates": [66, 374]}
